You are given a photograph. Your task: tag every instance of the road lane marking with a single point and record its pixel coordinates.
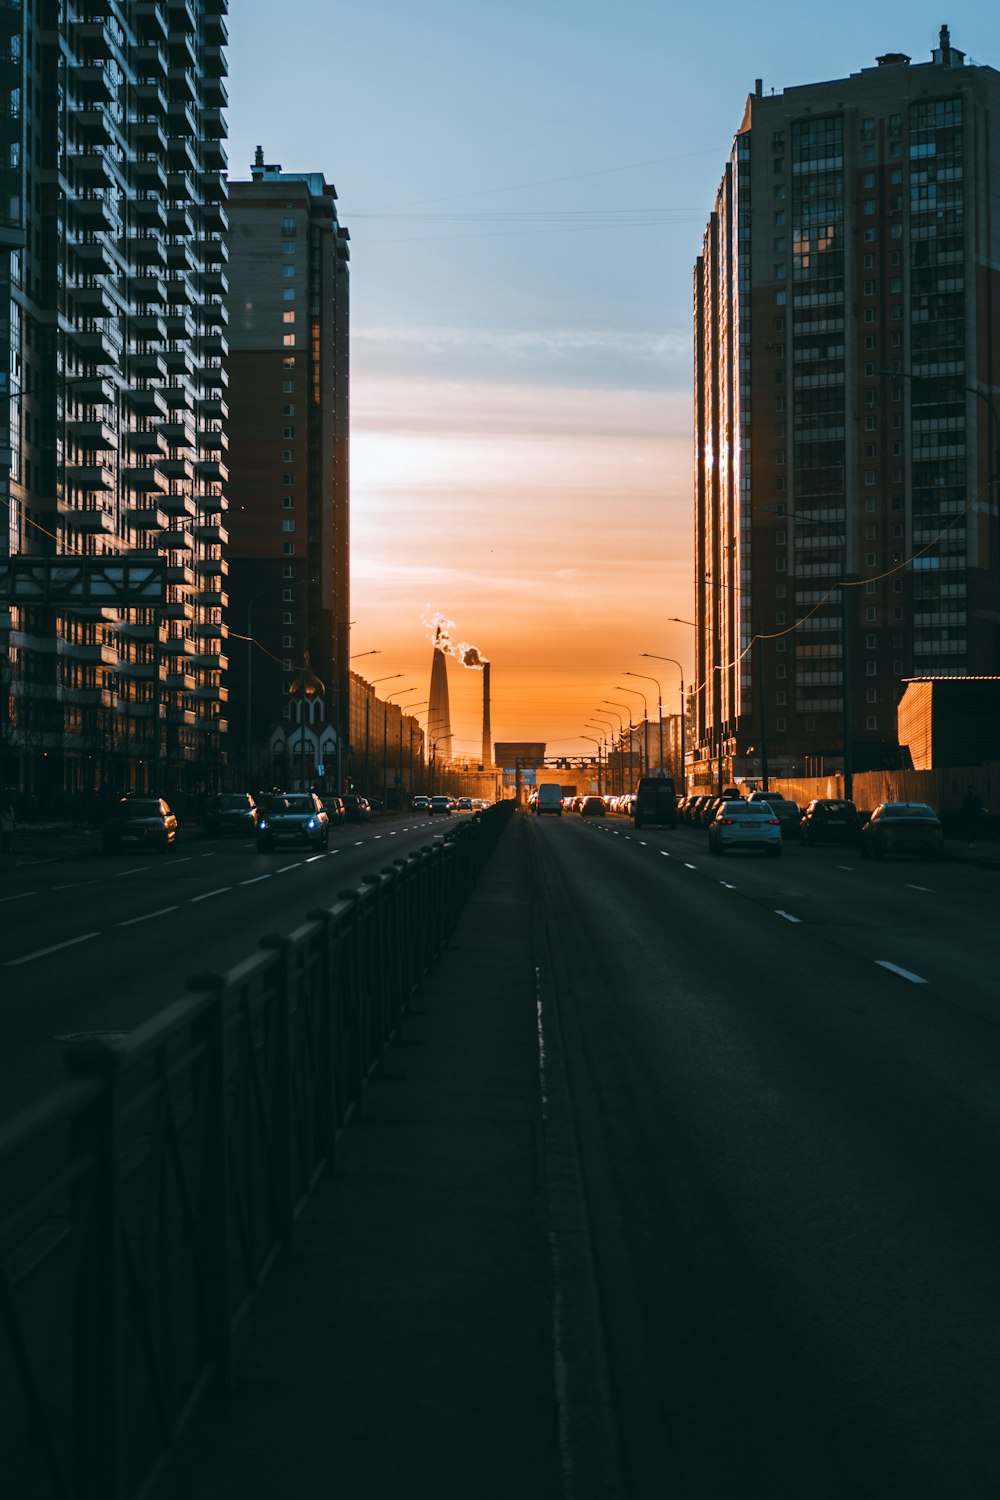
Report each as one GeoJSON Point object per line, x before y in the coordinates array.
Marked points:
{"type": "Point", "coordinates": [19, 897]}
{"type": "Point", "coordinates": [185, 859]}
{"type": "Point", "coordinates": [206, 894]}
{"type": "Point", "coordinates": [147, 918]}
{"type": "Point", "coordinates": [209, 854]}
{"type": "Point", "coordinates": [926, 888]}
{"type": "Point", "coordinates": [256, 878]}
{"type": "Point", "coordinates": [285, 868]}
{"type": "Point", "coordinates": [359, 843]}
{"type": "Point", "coordinates": [846, 867]}
{"type": "Point", "coordinates": [665, 853]}
{"type": "Point", "coordinates": [75, 885]}
{"type": "Point", "coordinates": [689, 867]}
{"type": "Point", "coordinates": [313, 857]}
{"type": "Point", "coordinates": [28, 958]}
{"type": "Point", "coordinates": [884, 963]}
{"type": "Point", "coordinates": [727, 885]}
{"type": "Point", "coordinates": [138, 870]}
{"type": "Point", "coordinates": [378, 835]}
{"type": "Point", "coordinates": [642, 844]}
{"type": "Point", "coordinates": [786, 914]}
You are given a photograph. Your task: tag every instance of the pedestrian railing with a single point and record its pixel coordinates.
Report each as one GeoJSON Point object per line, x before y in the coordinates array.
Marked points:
{"type": "Point", "coordinates": [143, 1204]}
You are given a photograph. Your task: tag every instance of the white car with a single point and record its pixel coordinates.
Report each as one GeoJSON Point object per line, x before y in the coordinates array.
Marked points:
{"type": "Point", "coordinates": [745, 825]}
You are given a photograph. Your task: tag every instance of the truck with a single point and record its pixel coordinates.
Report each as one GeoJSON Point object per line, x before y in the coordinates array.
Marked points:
{"type": "Point", "coordinates": [549, 799]}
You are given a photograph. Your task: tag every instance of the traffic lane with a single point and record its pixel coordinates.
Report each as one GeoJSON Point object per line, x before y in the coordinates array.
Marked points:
{"type": "Point", "coordinates": [942, 933]}
{"type": "Point", "coordinates": [801, 1165]}
{"type": "Point", "coordinates": [123, 975]}
{"type": "Point", "coordinates": [64, 902]}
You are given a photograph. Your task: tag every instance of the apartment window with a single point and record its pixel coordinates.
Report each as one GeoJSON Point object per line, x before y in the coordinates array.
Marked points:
{"type": "Point", "coordinates": [869, 236]}
{"type": "Point", "coordinates": [871, 695]}
{"type": "Point", "coordinates": [869, 314]}
{"type": "Point", "coordinates": [779, 455]}
{"type": "Point", "coordinates": [288, 432]}
{"type": "Point", "coordinates": [871, 532]}
{"type": "Point", "coordinates": [289, 340]}
{"type": "Point", "coordinates": [781, 538]}
{"type": "Point", "coordinates": [897, 530]}
{"type": "Point", "coordinates": [897, 583]}
{"type": "Point", "coordinates": [870, 367]}
{"type": "Point", "coordinates": [778, 244]}
{"type": "Point", "coordinates": [779, 429]}
{"type": "Point", "coordinates": [287, 640]}
{"type": "Point", "coordinates": [896, 231]}
{"type": "Point", "coordinates": [869, 262]}
{"type": "Point", "coordinates": [897, 450]}
{"type": "Point", "coordinates": [870, 642]}
{"type": "Point", "coordinates": [779, 618]}
{"type": "Point", "coordinates": [897, 668]}
{"type": "Point", "coordinates": [869, 424]}
{"type": "Point", "coordinates": [871, 587]}
{"type": "Point", "coordinates": [869, 398]}
{"type": "Point", "coordinates": [896, 341]}
{"type": "Point", "coordinates": [288, 226]}
{"type": "Point", "coordinates": [895, 124]}
{"type": "Point", "coordinates": [869, 341]}
{"type": "Point", "coordinates": [781, 725]}
{"type": "Point", "coordinates": [869, 288]}
{"type": "Point", "coordinates": [288, 548]}
{"type": "Point", "coordinates": [779, 483]}
{"type": "Point", "coordinates": [870, 560]}
{"type": "Point", "coordinates": [779, 351]}
{"type": "Point", "coordinates": [777, 163]}
{"type": "Point", "coordinates": [781, 646]}
{"type": "Point", "coordinates": [779, 220]}
{"type": "Point", "coordinates": [894, 149]}
{"type": "Point", "coordinates": [871, 614]}
{"type": "Point", "coordinates": [896, 176]}
{"type": "Point", "coordinates": [288, 270]}
{"type": "Point", "coordinates": [288, 524]}
{"type": "Point", "coordinates": [868, 180]}
{"type": "Point", "coordinates": [289, 457]}
{"type": "Point", "coordinates": [779, 325]}
{"type": "Point", "coordinates": [288, 410]}
{"type": "Point", "coordinates": [897, 393]}
{"type": "Point", "coordinates": [779, 403]}
{"type": "Point", "coordinates": [286, 595]}
{"type": "Point", "coordinates": [896, 312]}
{"type": "Point", "coordinates": [288, 386]}
{"type": "Point", "coordinates": [780, 670]}
{"type": "Point", "coordinates": [287, 664]}
{"type": "Point", "coordinates": [288, 293]}
{"type": "Point", "coordinates": [288, 573]}
{"type": "Point", "coordinates": [779, 299]}
{"type": "Point", "coordinates": [780, 565]}
{"type": "Point", "coordinates": [897, 420]}
{"type": "Point", "coordinates": [868, 206]}
{"type": "Point", "coordinates": [869, 504]}
{"type": "Point", "coordinates": [779, 192]}
{"type": "Point", "coordinates": [871, 668]}
{"type": "Point", "coordinates": [781, 698]}
{"type": "Point", "coordinates": [288, 317]}
{"type": "Point", "coordinates": [867, 153]}
{"type": "Point", "coordinates": [287, 502]}
{"type": "Point", "coordinates": [897, 612]}
{"type": "Point", "coordinates": [895, 257]}
{"type": "Point", "coordinates": [288, 249]}
{"type": "Point", "coordinates": [871, 722]}
{"type": "Point", "coordinates": [779, 271]}
{"type": "Point", "coordinates": [288, 361]}
{"type": "Point", "coordinates": [869, 476]}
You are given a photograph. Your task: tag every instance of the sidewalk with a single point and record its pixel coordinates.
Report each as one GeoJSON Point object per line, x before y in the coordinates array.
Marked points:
{"type": "Point", "coordinates": [405, 1351]}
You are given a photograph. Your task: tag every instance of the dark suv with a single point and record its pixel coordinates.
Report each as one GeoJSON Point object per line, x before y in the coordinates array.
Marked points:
{"type": "Point", "coordinates": [832, 819]}
{"type": "Point", "coordinates": [655, 802]}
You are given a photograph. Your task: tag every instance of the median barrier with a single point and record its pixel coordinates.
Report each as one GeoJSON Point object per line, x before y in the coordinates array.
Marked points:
{"type": "Point", "coordinates": [143, 1204]}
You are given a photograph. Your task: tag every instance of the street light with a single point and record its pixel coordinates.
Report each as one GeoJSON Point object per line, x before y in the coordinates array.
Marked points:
{"type": "Point", "coordinates": [638, 693]}
{"type": "Point", "coordinates": [368, 703]}
{"type": "Point", "coordinates": [590, 740]}
{"type": "Point", "coordinates": [676, 663]}
{"type": "Point", "coordinates": [385, 736]}
{"type": "Point", "coordinates": [410, 715]}
{"type": "Point", "coordinates": [621, 751]}
{"type": "Point", "coordinates": [659, 706]}
{"type": "Point", "coordinates": [606, 724]}
{"type": "Point", "coordinates": [612, 704]}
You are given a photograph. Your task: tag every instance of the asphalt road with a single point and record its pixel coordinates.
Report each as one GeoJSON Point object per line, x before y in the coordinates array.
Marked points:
{"type": "Point", "coordinates": [92, 944]}
{"type": "Point", "coordinates": [783, 1075]}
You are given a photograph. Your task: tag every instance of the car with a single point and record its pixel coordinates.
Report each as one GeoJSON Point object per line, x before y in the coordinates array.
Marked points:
{"type": "Point", "coordinates": [592, 807]}
{"type": "Point", "coordinates": [420, 803]}
{"type": "Point", "coordinates": [139, 823]}
{"type": "Point", "coordinates": [292, 817]}
{"type": "Point", "coordinates": [335, 809]}
{"type": "Point", "coordinates": [440, 804]}
{"type": "Point", "coordinates": [655, 802]}
{"type": "Point", "coordinates": [789, 814]}
{"type": "Point", "coordinates": [706, 813]}
{"type": "Point", "coordinates": [693, 807]}
{"type": "Point", "coordinates": [231, 812]}
{"type": "Point", "coordinates": [902, 828]}
{"type": "Point", "coordinates": [357, 807]}
{"type": "Point", "coordinates": [744, 825]}
{"type": "Point", "coordinates": [548, 799]}
{"type": "Point", "coordinates": [831, 818]}
{"type": "Point", "coordinates": [465, 804]}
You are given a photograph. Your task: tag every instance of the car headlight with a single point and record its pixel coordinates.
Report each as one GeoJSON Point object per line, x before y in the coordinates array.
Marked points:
{"type": "Point", "coordinates": [311, 823]}
{"type": "Point", "coordinates": [262, 825]}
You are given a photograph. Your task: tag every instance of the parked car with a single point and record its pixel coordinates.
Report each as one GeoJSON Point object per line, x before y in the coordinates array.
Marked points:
{"type": "Point", "coordinates": [335, 809]}
{"type": "Point", "coordinates": [655, 802]}
{"type": "Point", "coordinates": [292, 817]}
{"type": "Point", "coordinates": [902, 828]}
{"type": "Point", "coordinates": [440, 804]}
{"type": "Point", "coordinates": [789, 814]}
{"type": "Point", "coordinates": [830, 818]}
{"type": "Point", "coordinates": [706, 813]}
{"type": "Point", "coordinates": [231, 812]}
{"type": "Point", "coordinates": [139, 823]}
{"type": "Point", "coordinates": [592, 807]}
{"type": "Point", "coordinates": [744, 825]}
{"type": "Point", "coordinates": [420, 803]}
{"type": "Point", "coordinates": [357, 807]}
{"type": "Point", "coordinates": [693, 807]}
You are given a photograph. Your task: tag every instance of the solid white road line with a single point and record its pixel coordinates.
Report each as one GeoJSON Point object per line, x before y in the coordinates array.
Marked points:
{"type": "Point", "coordinates": [206, 894]}
{"type": "Point", "coordinates": [884, 963]}
{"type": "Point", "coordinates": [147, 918]}
{"type": "Point", "coordinates": [30, 957]}
{"type": "Point", "coordinates": [786, 914]}
{"type": "Point", "coordinates": [256, 878]}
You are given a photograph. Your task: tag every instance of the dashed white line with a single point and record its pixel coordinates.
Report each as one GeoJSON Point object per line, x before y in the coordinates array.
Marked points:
{"type": "Point", "coordinates": [665, 853]}
{"type": "Point", "coordinates": [206, 894]}
{"type": "Point", "coordinates": [30, 957]}
{"type": "Point", "coordinates": [148, 917]}
{"type": "Point", "coordinates": [119, 874]}
{"type": "Point", "coordinates": [689, 867]}
{"type": "Point", "coordinates": [19, 897]}
{"type": "Point", "coordinates": [256, 878]}
{"type": "Point", "coordinates": [642, 844]}
{"type": "Point", "coordinates": [884, 963]}
{"type": "Point", "coordinates": [359, 843]}
{"type": "Point", "coordinates": [285, 868]}
{"type": "Point", "coordinates": [209, 854]}
{"type": "Point", "coordinates": [313, 857]}
{"type": "Point", "coordinates": [185, 859]}
{"type": "Point", "coordinates": [727, 885]}
{"type": "Point", "coordinates": [926, 888]}
{"type": "Point", "coordinates": [786, 914]}
{"type": "Point", "coordinates": [75, 885]}
{"type": "Point", "coordinates": [846, 867]}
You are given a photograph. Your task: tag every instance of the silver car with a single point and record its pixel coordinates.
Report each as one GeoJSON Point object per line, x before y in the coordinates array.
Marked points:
{"type": "Point", "coordinates": [744, 825]}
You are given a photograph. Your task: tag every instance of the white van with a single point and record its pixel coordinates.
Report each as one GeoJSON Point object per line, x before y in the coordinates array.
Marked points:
{"type": "Point", "coordinates": [549, 799]}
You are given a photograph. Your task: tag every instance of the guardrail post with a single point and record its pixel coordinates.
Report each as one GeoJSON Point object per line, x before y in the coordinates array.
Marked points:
{"type": "Point", "coordinates": [215, 1195]}
{"type": "Point", "coordinates": [354, 1003]}
{"type": "Point", "coordinates": [100, 1435]}
{"type": "Point", "coordinates": [328, 1102]}
{"type": "Point", "coordinates": [281, 1104]}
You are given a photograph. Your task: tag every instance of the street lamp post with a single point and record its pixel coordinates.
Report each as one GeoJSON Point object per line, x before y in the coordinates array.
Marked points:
{"type": "Point", "coordinates": [409, 779]}
{"type": "Point", "coordinates": [674, 662]}
{"type": "Point", "coordinates": [659, 706]}
{"type": "Point", "coordinates": [612, 704]}
{"type": "Point", "coordinates": [606, 724]}
{"type": "Point", "coordinates": [621, 751]}
{"type": "Point", "coordinates": [368, 703]}
{"type": "Point", "coordinates": [645, 720]}
{"type": "Point", "coordinates": [592, 741]}
{"type": "Point", "coordinates": [385, 737]}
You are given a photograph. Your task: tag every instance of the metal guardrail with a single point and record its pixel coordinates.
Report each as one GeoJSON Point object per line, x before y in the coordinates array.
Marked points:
{"type": "Point", "coordinates": [143, 1204]}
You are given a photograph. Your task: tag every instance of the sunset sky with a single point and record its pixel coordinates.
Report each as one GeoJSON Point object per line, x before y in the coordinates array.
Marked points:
{"type": "Point", "coordinates": [526, 186]}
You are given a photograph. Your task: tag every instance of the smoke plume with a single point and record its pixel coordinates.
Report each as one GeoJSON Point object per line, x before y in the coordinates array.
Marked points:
{"type": "Point", "coordinates": [442, 631]}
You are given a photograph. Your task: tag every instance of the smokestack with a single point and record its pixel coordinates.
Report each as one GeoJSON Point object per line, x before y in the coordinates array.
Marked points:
{"type": "Point", "coordinates": [438, 707]}
{"type": "Point", "coordinates": [487, 732]}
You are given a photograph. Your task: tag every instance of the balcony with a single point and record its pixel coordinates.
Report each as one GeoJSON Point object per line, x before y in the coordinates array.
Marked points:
{"type": "Point", "coordinates": [148, 20]}
{"type": "Point", "coordinates": [212, 469]}
{"type": "Point", "coordinates": [210, 660]}
{"type": "Point", "coordinates": [178, 503]}
{"type": "Point", "coordinates": [151, 98]}
{"type": "Point", "coordinates": [150, 59]}
{"type": "Point", "coordinates": [182, 682]}
{"type": "Point", "coordinates": [180, 573]}
{"type": "Point", "coordinates": [92, 652]}
{"type": "Point", "coordinates": [177, 609]}
{"type": "Point", "coordinates": [211, 533]}
{"type": "Point", "coordinates": [205, 630]}
{"type": "Point", "coordinates": [213, 156]}
{"type": "Point", "coordinates": [148, 364]}
{"type": "Point", "coordinates": [95, 437]}
{"type": "Point", "coordinates": [141, 630]}
{"type": "Point", "coordinates": [149, 325]}
{"type": "Point", "coordinates": [144, 479]}
{"type": "Point", "coordinates": [178, 433]}
{"type": "Point", "coordinates": [182, 718]}
{"type": "Point", "coordinates": [147, 212]}
{"type": "Point", "coordinates": [148, 174]}
{"type": "Point", "coordinates": [145, 399]}
{"type": "Point", "coordinates": [147, 250]}
{"type": "Point", "coordinates": [93, 298]}
{"type": "Point", "coordinates": [175, 540]}
{"type": "Point", "coordinates": [146, 132]}
{"type": "Point", "coordinates": [146, 518]}
{"type": "Point", "coordinates": [212, 440]}
{"type": "Point", "coordinates": [147, 711]}
{"type": "Point", "coordinates": [94, 345]}
{"type": "Point", "coordinates": [178, 254]}
{"type": "Point", "coordinates": [92, 252]}
{"type": "Point", "coordinates": [213, 92]}
{"type": "Point", "coordinates": [178, 648]}
{"type": "Point", "coordinates": [93, 83]}
{"type": "Point", "coordinates": [95, 390]}
{"type": "Point", "coordinates": [179, 359]}
{"type": "Point", "coordinates": [89, 518]}
{"type": "Point", "coordinates": [177, 469]}
{"type": "Point", "coordinates": [211, 251]}
{"type": "Point", "coordinates": [88, 477]}
{"type": "Point", "coordinates": [146, 291]}
{"type": "Point", "coordinates": [136, 671]}
{"type": "Point", "coordinates": [88, 168]}
{"type": "Point", "coordinates": [207, 692]}
{"type": "Point", "coordinates": [212, 502]}
{"type": "Point", "coordinates": [147, 440]}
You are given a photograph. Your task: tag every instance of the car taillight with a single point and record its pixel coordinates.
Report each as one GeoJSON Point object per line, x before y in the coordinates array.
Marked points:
{"type": "Point", "coordinates": [774, 822]}
{"type": "Point", "coordinates": [726, 821]}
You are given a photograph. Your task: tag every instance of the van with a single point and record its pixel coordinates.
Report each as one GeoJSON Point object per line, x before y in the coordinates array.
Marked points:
{"type": "Point", "coordinates": [549, 799]}
{"type": "Point", "coordinates": [655, 802]}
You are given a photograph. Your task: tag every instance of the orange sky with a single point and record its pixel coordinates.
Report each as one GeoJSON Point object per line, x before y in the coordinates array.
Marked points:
{"type": "Point", "coordinates": [552, 525]}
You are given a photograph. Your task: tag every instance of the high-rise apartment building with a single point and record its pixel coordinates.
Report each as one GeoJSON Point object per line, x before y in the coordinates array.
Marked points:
{"type": "Point", "coordinates": [113, 314]}
{"type": "Point", "coordinates": [289, 557]}
{"type": "Point", "coordinates": [846, 359]}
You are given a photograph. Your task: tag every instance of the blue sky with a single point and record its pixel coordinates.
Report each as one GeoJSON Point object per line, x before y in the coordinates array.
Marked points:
{"type": "Point", "coordinates": [526, 185]}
